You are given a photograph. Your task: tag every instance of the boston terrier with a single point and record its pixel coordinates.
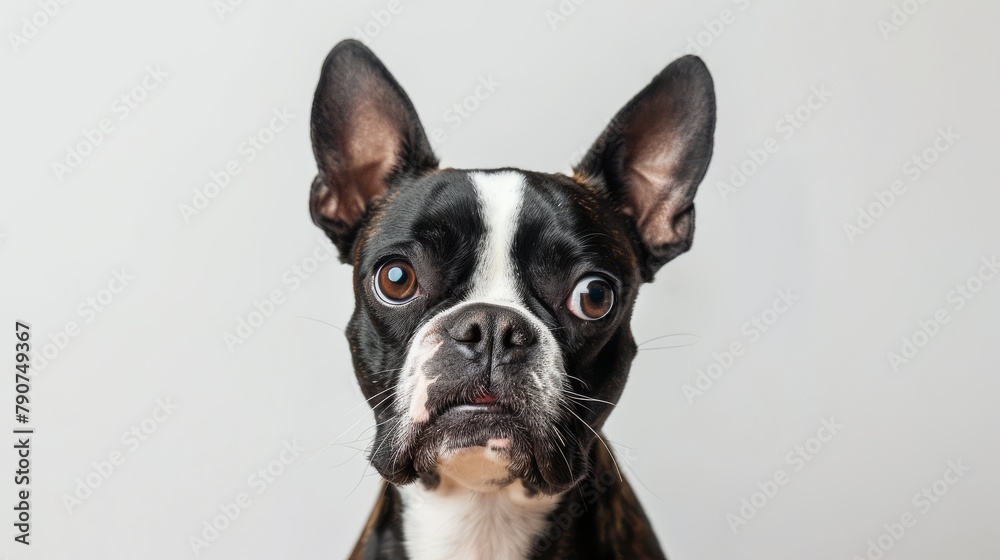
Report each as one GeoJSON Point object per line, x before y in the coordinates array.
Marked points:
{"type": "Point", "coordinates": [491, 332]}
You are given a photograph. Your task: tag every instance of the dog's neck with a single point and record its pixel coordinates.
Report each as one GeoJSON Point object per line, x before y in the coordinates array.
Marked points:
{"type": "Point", "coordinates": [599, 518]}
{"type": "Point", "coordinates": [455, 522]}
{"type": "Point", "coordinates": [474, 512]}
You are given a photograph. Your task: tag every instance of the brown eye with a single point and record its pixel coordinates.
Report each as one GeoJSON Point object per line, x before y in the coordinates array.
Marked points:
{"type": "Point", "coordinates": [592, 298]}
{"type": "Point", "coordinates": [396, 282]}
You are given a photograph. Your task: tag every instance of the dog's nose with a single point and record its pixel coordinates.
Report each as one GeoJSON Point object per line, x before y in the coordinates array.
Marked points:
{"type": "Point", "coordinates": [485, 330]}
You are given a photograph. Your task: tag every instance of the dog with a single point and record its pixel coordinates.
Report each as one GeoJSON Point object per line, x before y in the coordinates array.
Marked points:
{"type": "Point", "coordinates": [491, 331]}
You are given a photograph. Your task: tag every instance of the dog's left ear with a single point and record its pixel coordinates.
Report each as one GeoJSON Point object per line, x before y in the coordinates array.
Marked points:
{"type": "Point", "coordinates": [652, 157]}
{"type": "Point", "coordinates": [365, 135]}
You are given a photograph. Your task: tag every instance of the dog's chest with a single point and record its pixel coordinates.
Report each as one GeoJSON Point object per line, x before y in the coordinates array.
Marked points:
{"type": "Point", "coordinates": [468, 525]}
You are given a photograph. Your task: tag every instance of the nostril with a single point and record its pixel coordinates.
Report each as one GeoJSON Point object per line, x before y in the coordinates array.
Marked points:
{"type": "Point", "coordinates": [468, 332]}
{"type": "Point", "coordinates": [519, 337]}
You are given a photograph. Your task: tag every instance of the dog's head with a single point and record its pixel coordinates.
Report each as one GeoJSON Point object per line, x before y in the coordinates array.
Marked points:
{"type": "Point", "coordinates": [492, 306]}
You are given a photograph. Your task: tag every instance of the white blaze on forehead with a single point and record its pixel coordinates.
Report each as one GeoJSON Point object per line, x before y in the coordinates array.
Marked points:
{"type": "Point", "coordinates": [501, 196]}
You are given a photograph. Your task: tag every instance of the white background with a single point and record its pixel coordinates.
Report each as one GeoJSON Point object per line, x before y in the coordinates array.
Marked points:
{"type": "Point", "coordinates": [692, 461]}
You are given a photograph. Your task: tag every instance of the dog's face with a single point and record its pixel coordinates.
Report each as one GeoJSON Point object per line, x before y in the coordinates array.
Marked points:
{"type": "Point", "coordinates": [491, 329]}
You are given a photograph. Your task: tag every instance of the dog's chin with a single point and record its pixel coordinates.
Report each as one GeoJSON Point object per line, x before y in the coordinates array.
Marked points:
{"type": "Point", "coordinates": [486, 450]}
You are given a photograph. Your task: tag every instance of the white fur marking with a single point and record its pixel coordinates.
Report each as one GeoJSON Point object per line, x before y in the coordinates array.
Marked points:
{"type": "Point", "coordinates": [453, 522]}
{"type": "Point", "coordinates": [418, 406]}
{"type": "Point", "coordinates": [500, 198]}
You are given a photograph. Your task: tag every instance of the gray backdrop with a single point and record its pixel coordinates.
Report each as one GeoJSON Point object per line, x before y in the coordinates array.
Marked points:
{"type": "Point", "coordinates": [829, 387]}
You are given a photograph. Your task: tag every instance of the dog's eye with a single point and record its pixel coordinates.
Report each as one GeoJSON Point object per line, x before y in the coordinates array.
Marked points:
{"type": "Point", "coordinates": [396, 282]}
{"type": "Point", "coordinates": [592, 298]}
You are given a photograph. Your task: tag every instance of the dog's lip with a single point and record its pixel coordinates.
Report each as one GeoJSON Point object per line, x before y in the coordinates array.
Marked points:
{"type": "Point", "coordinates": [485, 398]}
{"type": "Point", "coordinates": [475, 407]}
{"type": "Point", "coordinates": [485, 402]}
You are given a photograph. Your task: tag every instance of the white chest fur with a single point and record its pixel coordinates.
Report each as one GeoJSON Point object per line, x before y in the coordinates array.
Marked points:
{"type": "Point", "coordinates": [454, 522]}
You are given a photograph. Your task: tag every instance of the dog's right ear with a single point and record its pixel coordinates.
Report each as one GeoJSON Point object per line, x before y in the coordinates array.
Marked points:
{"type": "Point", "coordinates": [365, 135]}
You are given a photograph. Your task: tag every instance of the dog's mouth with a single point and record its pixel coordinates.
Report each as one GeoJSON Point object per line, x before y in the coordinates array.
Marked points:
{"type": "Point", "coordinates": [484, 402]}
{"type": "Point", "coordinates": [501, 424]}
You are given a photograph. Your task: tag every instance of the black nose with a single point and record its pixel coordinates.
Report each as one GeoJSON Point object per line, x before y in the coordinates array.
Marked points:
{"type": "Point", "coordinates": [490, 331]}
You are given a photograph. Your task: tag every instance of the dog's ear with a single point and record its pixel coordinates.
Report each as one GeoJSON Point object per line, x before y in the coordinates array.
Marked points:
{"type": "Point", "coordinates": [652, 157]}
{"type": "Point", "coordinates": [365, 136]}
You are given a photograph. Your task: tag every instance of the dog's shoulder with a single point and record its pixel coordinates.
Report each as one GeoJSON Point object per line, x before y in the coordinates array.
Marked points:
{"type": "Point", "coordinates": [607, 519]}
{"type": "Point", "coordinates": [381, 538]}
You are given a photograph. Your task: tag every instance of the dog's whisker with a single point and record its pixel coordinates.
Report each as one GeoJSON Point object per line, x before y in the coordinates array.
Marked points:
{"type": "Point", "coordinates": [350, 445]}
{"type": "Point", "coordinates": [362, 433]}
{"type": "Point", "coordinates": [364, 473]}
{"type": "Point", "coordinates": [661, 337]}
{"type": "Point", "coordinates": [320, 321]}
{"type": "Point", "coordinates": [349, 429]}
{"type": "Point", "coordinates": [360, 450]}
{"type": "Point", "coordinates": [634, 473]}
{"type": "Point", "coordinates": [665, 347]}
{"type": "Point", "coordinates": [387, 370]}
{"type": "Point", "coordinates": [368, 400]}
{"type": "Point", "coordinates": [566, 406]}
{"type": "Point", "coordinates": [579, 397]}
{"type": "Point", "coordinates": [589, 427]}
{"type": "Point", "coordinates": [558, 431]}
{"type": "Point", "coordinates": [569, 469]}
{"type": "Point", "coordinates": [582, 382]}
